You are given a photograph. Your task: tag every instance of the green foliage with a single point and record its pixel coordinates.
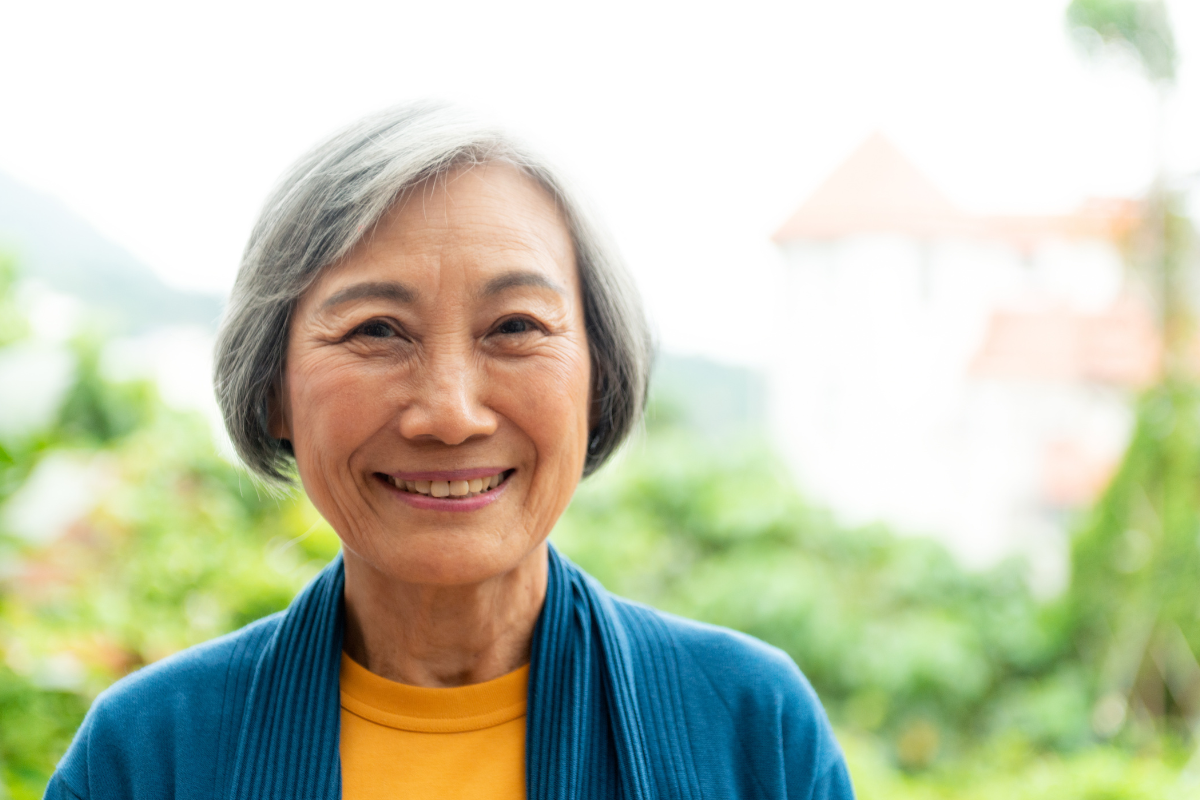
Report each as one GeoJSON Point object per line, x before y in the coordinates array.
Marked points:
{"type": "Point", "coordinates": [96, 412]}
{"type": "Point", "coordinates": [1138, 554]}
{"type": "Point", "coordinates": [1136, 565]}
{"type": "Point", "coordinates": [36, 725]}
{"type": "Point", "coordinates": [179, 546]}
{"type": "Point", "coordinates": [13, 325]}
{"type": "Point", "coordinates": [1140, 25]}
{"type": "Point", "coordinates": [1007, 769]}
{"type": "Point", "coordinates": [896, 638]}
{"type": "Point", "coordinates": [943, 683]}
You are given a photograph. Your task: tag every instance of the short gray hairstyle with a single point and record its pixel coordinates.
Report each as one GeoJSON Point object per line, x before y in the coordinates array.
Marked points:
{"type": "Point", "coordinates": [333, 196]}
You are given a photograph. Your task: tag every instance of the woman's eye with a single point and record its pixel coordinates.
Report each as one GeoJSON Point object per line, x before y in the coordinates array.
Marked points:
{"type": "Point", "coordinates": [516, 325]}
{"type": "Point", "coordinates": [376, 330]}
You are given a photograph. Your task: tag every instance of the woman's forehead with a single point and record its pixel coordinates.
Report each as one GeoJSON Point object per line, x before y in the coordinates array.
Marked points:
{"type": "Point", "coordinates": [492, 206]}
{"type": "Point", "coordinates": [475, 227]}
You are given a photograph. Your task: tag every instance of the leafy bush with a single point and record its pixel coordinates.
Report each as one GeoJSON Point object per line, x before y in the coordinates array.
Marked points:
{"type": "Point", "coordinates": [943, 683]}
{"type": "Point", "coordinates": [896, 638]}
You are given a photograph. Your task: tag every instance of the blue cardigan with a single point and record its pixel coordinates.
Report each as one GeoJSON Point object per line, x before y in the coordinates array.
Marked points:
{"type": "Point", "coordinates": [624, 702]}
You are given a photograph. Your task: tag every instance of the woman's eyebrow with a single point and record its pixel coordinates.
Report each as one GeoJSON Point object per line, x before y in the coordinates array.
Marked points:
{"type": "Point", "coordinates": [511, 280]}
{"type": "Point", "coordinates": [380, 290]}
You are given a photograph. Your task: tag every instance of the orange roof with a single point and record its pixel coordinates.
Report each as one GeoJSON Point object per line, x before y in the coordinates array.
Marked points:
{"type": "Point", "coordinates": [1120, 346]}
{"type": "Point", "coordinates": [878, 190]}
{"type": "Point", "coordinates": [1098, 218]}
{"type": "Point", "coordinates": [1073, 476]}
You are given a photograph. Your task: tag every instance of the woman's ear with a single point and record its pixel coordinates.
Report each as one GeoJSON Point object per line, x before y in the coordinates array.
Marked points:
{"type": "Point", "coordinates": [279, 417]}
{"type": "Point", "coordinates": [594, 407]}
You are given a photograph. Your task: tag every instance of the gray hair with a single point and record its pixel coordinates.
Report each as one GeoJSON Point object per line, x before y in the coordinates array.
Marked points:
{"type": "Point", "coordinates": [333, 196]}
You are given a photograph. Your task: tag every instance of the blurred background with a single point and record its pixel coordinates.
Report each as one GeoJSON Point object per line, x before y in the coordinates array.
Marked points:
{"type": "Point", "coordinates": [923, 275]}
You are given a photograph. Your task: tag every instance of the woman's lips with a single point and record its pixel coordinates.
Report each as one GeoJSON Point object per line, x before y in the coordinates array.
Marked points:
{"type": "Point", "coordinates": [449, 474]}
{"type": "Point", "coordinates": [460, 490]}
{"type": "Point", "coordinates": [461, 483]}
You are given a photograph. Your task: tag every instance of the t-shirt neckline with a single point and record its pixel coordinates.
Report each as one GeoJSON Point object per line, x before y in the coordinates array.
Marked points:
{"type": "Point", "coordinates": [424, 709]}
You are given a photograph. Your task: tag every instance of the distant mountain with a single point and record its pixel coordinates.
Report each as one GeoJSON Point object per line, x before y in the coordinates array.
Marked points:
{"type": "Point", "coordinates": [55, 245]}
{"type": "Point", "coordinates": [711, 398]}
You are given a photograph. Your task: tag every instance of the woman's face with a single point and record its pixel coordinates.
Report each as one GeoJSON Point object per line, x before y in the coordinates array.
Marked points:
{"type": "Point", "coordinates": [444, 354]}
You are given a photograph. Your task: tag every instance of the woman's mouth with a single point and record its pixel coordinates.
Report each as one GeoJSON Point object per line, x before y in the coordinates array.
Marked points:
{"type": "Point", "coordinates": [463, 489]}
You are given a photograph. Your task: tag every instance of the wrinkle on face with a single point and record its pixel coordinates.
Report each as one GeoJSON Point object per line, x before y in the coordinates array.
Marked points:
{"type": "Point", "coordinates": [443, 268]}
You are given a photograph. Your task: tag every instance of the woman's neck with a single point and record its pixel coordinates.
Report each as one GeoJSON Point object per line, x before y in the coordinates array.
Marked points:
{"type": "Point", "coordinates": [430, 635]}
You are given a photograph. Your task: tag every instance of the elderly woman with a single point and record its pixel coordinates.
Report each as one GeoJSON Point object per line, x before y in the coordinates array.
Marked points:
{"type": "Point", "coordinates": [429, 324]}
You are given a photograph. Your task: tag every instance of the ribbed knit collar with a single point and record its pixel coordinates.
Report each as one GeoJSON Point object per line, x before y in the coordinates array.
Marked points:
{"type": "Point", "coordinates": [585, 734]}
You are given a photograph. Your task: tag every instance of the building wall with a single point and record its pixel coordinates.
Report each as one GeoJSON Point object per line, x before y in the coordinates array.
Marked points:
{"type": "Point", "coordinates": [873, 399]}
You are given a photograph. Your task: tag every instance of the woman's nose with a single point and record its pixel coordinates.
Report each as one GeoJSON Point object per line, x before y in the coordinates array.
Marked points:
{"type": "Point", "coordinates": [447, 404]}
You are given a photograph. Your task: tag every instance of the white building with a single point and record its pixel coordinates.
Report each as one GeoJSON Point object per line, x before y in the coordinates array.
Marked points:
{"type": "Point", "coordinates": [962, 376]}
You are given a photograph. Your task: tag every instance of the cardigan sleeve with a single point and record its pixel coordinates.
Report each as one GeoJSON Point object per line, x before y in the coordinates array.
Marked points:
{"type": "Point", "coordinates": [69, 781]}
{"type": "Point", "coordinates": [131, 742]}
{"type": "Point", "coordinates": [834, 784]}
{"type": "Point", "coordinates": [58, 789]}
{"type": "Point", "coordinates": [754, 721]}
{"type": "Point", "coordinates": [814, 764]}
{"type": "Point", "coordinates": [165, 731]}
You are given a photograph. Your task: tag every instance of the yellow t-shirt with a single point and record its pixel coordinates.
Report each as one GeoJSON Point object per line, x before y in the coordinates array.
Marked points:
{"type": "Point", "coordinates": [416, 742]}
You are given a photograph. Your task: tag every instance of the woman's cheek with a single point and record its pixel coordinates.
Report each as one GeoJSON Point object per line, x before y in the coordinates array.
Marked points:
{"type": "Point", "coordinates": [331, 418]}
{"type": "Point", "coordinates": [337, 393]}
{"type": "Point", "coordinates": [554, 399]}
{"type": "Point", "coordinates": [563, 404]}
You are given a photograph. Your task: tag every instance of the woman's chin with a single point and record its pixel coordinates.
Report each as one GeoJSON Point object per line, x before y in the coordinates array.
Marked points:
{"type": "Point", "coordinates": [447, 559]}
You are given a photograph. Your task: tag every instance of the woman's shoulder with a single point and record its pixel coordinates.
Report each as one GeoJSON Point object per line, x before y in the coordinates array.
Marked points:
{"type": "Point", "coordinates": [170, 710]}
{"type": "Point", "coordinates": [749, 708]}
{"type": "Point", "coordinates": [735, 660]}
{"type": "Point", "coordinates": [185, 679]}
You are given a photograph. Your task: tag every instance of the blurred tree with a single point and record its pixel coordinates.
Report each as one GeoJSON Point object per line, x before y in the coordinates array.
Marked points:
{"type": "Point", "coordinates": [1137, 568]}
{"type": "Point", "coordinates": [175, 546]}
{"type": "Point", "coordinates": [898, 640]}
{"type": "Point", "coordinates": [1136, 561]}
{"type": "Point", "coordinates": [945, 683]}
{"type": "Point", "coordinates": [13, 325]}
{"type": "Point", "coordinates": [1142, 26]}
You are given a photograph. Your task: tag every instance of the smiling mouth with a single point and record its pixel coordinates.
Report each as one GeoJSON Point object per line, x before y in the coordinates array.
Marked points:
{"type": "Point", "coordinates": [459, 490]}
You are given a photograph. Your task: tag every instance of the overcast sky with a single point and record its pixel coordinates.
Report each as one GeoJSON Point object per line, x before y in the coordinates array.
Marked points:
{"type": "Point", "coordinates": [697, 128]}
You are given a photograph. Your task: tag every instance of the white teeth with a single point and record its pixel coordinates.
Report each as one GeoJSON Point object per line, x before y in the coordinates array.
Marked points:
{"type": "Point", "coordinates": [449, 488]}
